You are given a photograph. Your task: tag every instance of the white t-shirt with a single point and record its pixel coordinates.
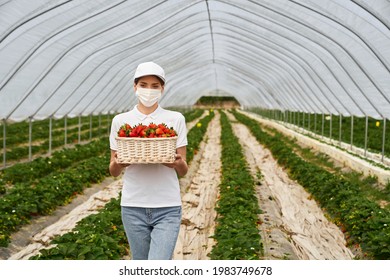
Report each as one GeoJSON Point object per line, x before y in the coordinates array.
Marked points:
{"type": "Point", "coordinates": [150, 185]}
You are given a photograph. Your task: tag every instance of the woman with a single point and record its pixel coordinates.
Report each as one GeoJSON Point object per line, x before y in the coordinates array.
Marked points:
{"type": "Point", "coordinates": [151, 202]}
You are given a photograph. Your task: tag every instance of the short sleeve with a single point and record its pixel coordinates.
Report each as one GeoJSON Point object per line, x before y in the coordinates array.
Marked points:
{"type": "Point", "coordinates": [181, 132]}
{"type": "Point", "coordinates": [113, 133]}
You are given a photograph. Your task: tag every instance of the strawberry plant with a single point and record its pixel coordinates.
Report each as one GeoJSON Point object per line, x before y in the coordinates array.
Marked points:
{"type": "Point", "coordinates": [29, 172]}
{"type": "Point", "coordinates": [196, 135]}
{"type": "Point", "coordinates": [365, 223]}
{"type": "Point", "coordinates": [25, 200]}
{"type": "Point", "coordinates": [193, 114]}
{"type": "Point", "coordinates": [236, 232]}
{"type": "Point", "coordinates": [97, 237]}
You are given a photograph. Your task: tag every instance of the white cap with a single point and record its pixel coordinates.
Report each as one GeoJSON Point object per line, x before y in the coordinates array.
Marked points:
{"type": "Point", "coordinates": [149, 69]}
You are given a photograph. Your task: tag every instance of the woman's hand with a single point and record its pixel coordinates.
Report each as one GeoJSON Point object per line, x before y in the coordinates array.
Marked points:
{"type": "Point", "coordinates": [180, 164]}
{"type": "Point", "coordinates": [176, 163]}
{"type": "Point", "coordinates": [116, 167]}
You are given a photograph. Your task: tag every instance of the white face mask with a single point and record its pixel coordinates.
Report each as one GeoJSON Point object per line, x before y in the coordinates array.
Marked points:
{"type": "Point", "coordinates": [148, 97]}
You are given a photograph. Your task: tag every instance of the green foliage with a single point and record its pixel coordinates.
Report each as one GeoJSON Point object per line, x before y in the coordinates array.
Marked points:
{"type": "Point", "coordinates": [99, 236]}
{"type": "Point", "coordinates": [236, 232]}
{"type": "Point", "coordinates": [216, 100]}
{"type": "Point", "coordinates": [49, 184]}
{"type": "Point", "coordinates": [196, 134]}
{"type": "Point", "coordinates": [365, 222]}
{"type": "Point", "coordinates": [193, 114]}
{"type": "Point", "coordinates": [29, 172]}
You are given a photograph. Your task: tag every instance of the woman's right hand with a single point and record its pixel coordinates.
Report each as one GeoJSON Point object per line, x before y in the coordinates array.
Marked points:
{"type": "Point", "coordinates": [116, 167]}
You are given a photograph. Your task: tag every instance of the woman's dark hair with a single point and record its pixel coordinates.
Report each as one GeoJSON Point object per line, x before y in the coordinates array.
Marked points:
{"type": "Point", "coordinates": [161, 81]}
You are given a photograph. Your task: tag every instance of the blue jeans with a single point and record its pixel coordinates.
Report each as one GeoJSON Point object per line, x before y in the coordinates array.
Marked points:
{"type": "Point", "coordinates": [152, 232]}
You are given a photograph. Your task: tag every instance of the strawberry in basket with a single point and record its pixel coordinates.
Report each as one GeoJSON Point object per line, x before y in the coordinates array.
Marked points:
{"type": "Point", "coordinates": [146, 131]}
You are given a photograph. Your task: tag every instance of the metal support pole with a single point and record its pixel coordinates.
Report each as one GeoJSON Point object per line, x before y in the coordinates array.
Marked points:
{"type": "Point", "coordinates": [50, 132]}
{"type": "Point", "coordinates": [352, 131]}
{"type": "Point", "coordinates": [288, 117]}
{"type": "Point", "coordinates": [79, 140]}
{"type": "Point", "coordinates": [323, 124]}
{"type": "Point", "coordinates": [330, 126]}
{"type": "Point", "coordinates": [90, 127]}
{"type": "Point", "coordinates": [383, 138]}
{"type": "Point", "coordinates": [366, 137]}
{"type": "Point", "coordinates": [340, 126]}
{"type": "Point", "coordinates": [100, 122]}
{"type": "Point", "coordinates": [30, 139]}
{"type": "Point", "coordinates": [66, 130]}
{"type": "Point", "coordinates": [108, 126]}
{"type": "Point", "coordinates": [294, 118]}
{"type": "Point", "coordinates": [4, 143]}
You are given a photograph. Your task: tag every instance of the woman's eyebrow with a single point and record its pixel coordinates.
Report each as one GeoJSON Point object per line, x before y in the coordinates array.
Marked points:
{"type": "Point", "coordinates": [153, 84]}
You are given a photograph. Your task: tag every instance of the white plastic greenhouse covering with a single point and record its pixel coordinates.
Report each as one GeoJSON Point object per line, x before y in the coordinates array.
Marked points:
{"type": "Point", "coordinates": [74, 58]}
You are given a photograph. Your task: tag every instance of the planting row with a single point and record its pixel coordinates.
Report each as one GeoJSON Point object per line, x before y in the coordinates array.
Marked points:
{"type": "Point", "coordinates": [365, 223]}
{"type": "Point", "coordinates": [28, 173]}
{"type": "Point", "coordinates": [236, 232]}
{"type": "Point", "coordinates": [25, 200]}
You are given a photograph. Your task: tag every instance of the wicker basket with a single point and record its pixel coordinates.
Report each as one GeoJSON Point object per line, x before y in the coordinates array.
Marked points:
{"type": "Point", "coordinates": [146, 150]}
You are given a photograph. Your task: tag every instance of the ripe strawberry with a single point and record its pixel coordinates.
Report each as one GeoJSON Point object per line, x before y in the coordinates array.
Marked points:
{"type": "Point", "coordinates": [142, 133]}
{"type": "Point", "coordinates": [153, 126]}
{"type": "Point", "coordinates": [159, 131]}
{"type": "Point", "coordinates": [133, 134]}
{"type": "Point", "coordinates": [152, 130]}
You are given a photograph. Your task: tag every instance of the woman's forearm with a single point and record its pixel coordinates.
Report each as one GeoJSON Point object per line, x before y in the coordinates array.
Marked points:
{"type": "Point", "coordinates": [115, 169]}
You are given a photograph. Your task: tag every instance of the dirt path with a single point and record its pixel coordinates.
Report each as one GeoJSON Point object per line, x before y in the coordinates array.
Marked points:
{"type": "Point", "coordinates": [199, 193]}
{"type": "Point", "coordinates": [294, 226]}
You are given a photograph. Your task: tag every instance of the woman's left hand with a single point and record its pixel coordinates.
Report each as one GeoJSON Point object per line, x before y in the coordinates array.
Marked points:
{"type": "Point", "coordinates": [178, 161]}
{"type": "Point", "coordinates": [180, 165]}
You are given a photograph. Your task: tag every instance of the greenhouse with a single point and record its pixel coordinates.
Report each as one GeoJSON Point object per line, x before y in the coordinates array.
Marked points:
{"type": "Point", "coordinates": [285, 150]}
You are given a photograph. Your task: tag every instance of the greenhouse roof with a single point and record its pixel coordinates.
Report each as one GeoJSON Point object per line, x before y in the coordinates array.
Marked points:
{"type": "Point", "coordinates": [70, 58]}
